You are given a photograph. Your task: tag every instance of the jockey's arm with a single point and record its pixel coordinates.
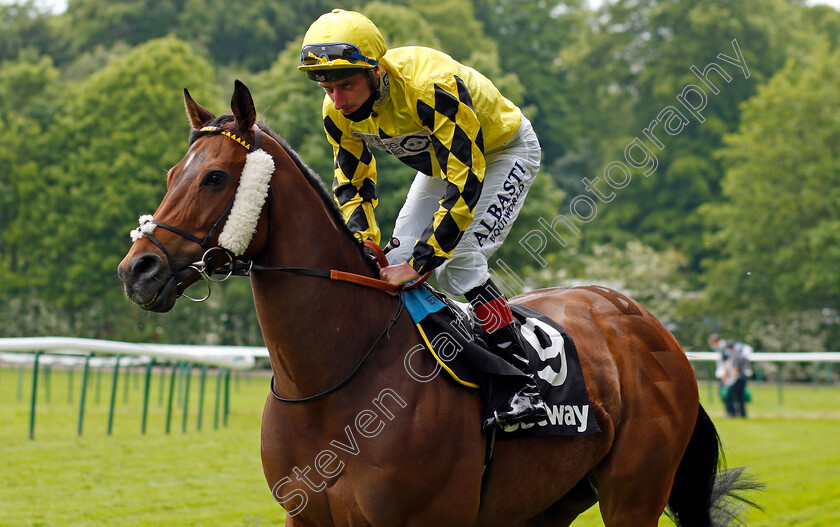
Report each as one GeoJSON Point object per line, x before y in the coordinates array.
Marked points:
{"type": "Point", "coordinates": [354, 183]}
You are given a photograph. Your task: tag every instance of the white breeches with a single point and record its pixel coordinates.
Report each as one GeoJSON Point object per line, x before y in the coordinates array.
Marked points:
{"type": "Point", "coordinates": [510, 171]}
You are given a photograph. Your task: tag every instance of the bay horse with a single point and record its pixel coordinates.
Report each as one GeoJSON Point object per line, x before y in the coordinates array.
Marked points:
{"type": "Point", "coordinates": [350, 436]}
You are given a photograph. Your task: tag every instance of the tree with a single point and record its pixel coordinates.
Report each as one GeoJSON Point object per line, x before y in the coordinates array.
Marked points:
{"type": "Point", "coordinates": [100, 22]}
{"type": "Point", "coordinates": [103, 163]}
{"type": "Point", "coordinates": [252, 34]}
{"type": "Point", "coordinates": [824, 20]}
{"type": "Point", "coordinates": [455, 27]}
{"type": "Point", "coordinates": [121, 130]}
{"type": "Point", "coordinates": [647, 50]}
{"type": "Point", "coordinates": [23, 25]}
{"type": "Point", "coordinates": [28, 103]}
{"type": "Point", "coordinates": [532, 37]}
{"type": "Point", "coordinates": [779, 227]}
{"type": "Point", "coordinates": [652, 278]}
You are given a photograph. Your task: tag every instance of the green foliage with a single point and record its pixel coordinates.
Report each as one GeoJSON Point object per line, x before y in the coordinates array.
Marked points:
{"type": "Point", "coordinates": [28, 93]}
{"type": "Point", "coordinates": [251, 34]}
{"type": "Point", "coordinates": [27, 84]}
{"type": "Point", "coordinates": [98, 22]}
{"type": "Point", "coordinates": [531, 37]}
{"type": "Point", "coordinates": [641, 53]}
{"type": "Point", "coordinates": [24, 26]}
{"type": "Point", "coordinates": [400, 25]}
{"type": "Point", "coordinates": [290, 104]}
{"type": "Point", "coordinates": [778, 229]}
{"type": "Point", "coordinates": [455, 26]}
{"type": "Point", "coordinates": [93, 60]}
{"type": "Point", "coordinates": [105, 163]}
{"type": "Point", "coordinates": [652, 278]}
{"type": "Point", "coordinates": [825, 21]}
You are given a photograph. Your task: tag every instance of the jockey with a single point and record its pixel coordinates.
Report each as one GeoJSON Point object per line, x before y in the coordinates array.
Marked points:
{"type": "Point", "coordinates": [476, 157]}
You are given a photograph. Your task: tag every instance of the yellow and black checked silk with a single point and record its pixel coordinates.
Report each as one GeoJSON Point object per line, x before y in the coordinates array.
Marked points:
{"type": "Point", "coordinates": [355, 192]}
{"type": "Point", "coordinates": [459, 148]}
{"type": "Point", "coordinates": [438, 118]}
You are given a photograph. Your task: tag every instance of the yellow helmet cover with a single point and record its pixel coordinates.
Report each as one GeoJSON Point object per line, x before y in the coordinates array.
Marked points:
{"type": "Point", "coordinates": [341, 40]}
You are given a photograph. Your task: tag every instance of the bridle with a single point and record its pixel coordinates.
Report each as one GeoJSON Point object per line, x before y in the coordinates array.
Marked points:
{"type": "Point", "coordinates": [235, 267]}
{"type": "Point", "coordinates": [201, 266]}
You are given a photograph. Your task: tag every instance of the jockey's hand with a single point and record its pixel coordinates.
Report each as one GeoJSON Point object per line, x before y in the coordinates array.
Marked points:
{"type": "Point", "coordinates": [398, 274]}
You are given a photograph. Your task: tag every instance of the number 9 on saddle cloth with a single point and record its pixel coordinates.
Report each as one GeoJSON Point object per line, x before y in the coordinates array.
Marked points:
{"type": "Point", "coordinates": [457, 342]}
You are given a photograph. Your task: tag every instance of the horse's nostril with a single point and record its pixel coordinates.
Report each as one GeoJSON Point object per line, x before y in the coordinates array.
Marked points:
{"type": "Point", "coordinates": [145, 267]}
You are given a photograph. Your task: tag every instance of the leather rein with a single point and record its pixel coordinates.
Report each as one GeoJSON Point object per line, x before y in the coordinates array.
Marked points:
{"type": "Point", "coordinates": [235, 267]}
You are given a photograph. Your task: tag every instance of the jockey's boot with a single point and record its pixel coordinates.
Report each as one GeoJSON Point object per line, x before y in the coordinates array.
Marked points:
{"type": "Point", "coordinates": [526, 406]}
{"type": "Point", "coordinates": [493, 312]}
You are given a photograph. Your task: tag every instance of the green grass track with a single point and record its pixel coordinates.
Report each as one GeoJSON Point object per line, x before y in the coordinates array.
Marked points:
{"type": "Point", "coordinates": [214, 477]}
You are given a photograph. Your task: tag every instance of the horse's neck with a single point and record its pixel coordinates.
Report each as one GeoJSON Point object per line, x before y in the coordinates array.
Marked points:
{"type": "Point", "coordinates": [315, 329]}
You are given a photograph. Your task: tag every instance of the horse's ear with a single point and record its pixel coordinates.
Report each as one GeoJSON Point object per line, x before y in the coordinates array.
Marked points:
{"type": "Point", "coordinates": [242, 106]}
{"type": "Point", "coordinates": [198, 115]}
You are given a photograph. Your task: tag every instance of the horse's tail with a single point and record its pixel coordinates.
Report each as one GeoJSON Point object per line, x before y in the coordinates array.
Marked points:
{"type": "Point", "coordinates": [704, 494]}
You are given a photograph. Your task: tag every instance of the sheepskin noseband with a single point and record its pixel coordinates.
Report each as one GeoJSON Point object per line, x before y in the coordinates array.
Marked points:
{"type": "Point", "coordinates": [248, 203]}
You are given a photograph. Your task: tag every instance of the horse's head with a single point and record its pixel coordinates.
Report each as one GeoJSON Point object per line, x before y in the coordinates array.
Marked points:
{"type": "Point", "coordinates": [214, 198]}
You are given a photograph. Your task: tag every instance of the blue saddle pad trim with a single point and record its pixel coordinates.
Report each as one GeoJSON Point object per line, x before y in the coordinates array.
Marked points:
{"type": "Point", "coordinates": [420, 303]}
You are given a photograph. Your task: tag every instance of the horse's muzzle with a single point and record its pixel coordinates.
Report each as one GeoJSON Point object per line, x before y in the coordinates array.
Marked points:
{"type": "Point", "coordinates": [148, 282]}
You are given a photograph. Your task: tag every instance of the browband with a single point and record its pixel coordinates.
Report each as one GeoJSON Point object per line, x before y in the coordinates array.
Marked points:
{"type": "Point", "coordinates": [241, 141]}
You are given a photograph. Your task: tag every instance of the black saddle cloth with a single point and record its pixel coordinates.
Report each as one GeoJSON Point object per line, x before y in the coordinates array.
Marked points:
{"type": "Point", "coordinates": [459, 345]}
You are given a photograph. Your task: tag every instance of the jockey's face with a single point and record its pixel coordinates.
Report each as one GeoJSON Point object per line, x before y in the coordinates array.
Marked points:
{"type": "Point", "coordinates": [347, 95]}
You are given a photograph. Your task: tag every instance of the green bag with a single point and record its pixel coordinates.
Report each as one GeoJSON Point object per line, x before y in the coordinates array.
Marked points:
{"type": "Point", "coordinates": [723, 391]}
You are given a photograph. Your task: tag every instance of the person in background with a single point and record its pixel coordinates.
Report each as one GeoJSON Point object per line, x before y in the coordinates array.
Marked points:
{"type": "Point", "coordinates": [733, 370]}
{"type": "Point", "coordinates": [475, 154]}
{"type": "Point", "coordinates": [738, 371]}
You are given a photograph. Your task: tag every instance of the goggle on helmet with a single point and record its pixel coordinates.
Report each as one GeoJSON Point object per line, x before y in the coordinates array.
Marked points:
{"type": "Point", "coordinates": [340, 44]}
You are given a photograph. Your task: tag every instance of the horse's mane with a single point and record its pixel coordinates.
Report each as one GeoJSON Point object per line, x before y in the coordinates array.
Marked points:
{"type": "Point", "coordinates": [310, 175]}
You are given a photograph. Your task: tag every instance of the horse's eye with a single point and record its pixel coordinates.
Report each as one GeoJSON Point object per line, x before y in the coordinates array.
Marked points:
{"type": "Point", "coordinates": [214, 178]}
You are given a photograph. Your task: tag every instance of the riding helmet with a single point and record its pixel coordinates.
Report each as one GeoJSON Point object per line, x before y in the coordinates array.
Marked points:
{"type": "Point", "coordinates": [340, 44]}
